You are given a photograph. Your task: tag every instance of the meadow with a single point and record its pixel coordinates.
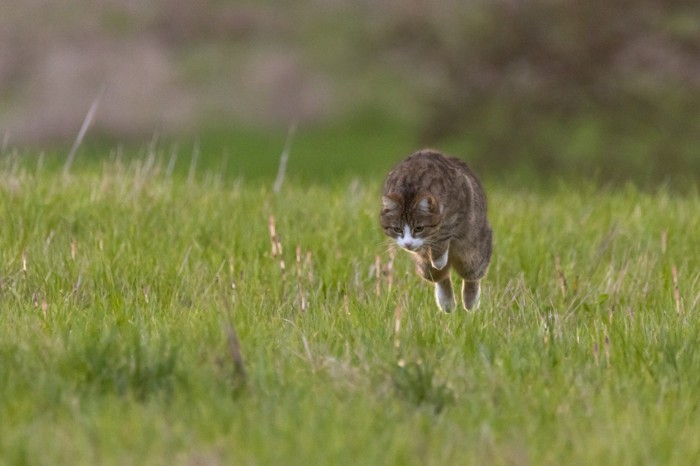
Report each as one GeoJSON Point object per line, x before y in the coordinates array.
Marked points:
{"type": "Point", "coordinates": [157, 315]}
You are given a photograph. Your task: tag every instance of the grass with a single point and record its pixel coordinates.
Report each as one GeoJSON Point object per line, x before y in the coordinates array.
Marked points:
{"type": "Point", "coordinates": [146, 320]}
{"type": "Point", "coordinates": [359, 144]}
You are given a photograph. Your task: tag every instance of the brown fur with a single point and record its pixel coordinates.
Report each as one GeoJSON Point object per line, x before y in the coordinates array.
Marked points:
{"type": "Point", "coordinates": [443, 203]}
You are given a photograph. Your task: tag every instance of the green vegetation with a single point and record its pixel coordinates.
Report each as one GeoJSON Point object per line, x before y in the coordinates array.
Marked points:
{"type": "Point", "coordinates": [145, 320]}
{"type": "Point", "coordinates": [147, 316]}
{"type": "Point", "coordinates": [572, 88]}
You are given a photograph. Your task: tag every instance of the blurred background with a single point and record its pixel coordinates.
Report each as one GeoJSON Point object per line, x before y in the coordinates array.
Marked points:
{"type": "Point", "coordinates": [534, 88]}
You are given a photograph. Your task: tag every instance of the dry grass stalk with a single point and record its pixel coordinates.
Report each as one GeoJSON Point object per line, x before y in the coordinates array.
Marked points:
{"type": "Point", "coordinates": [676, 290]}
{"type": "Point", "coordinates": [234, 350]}
{"type": "Point", "coordinates": [378, 275]}
{"type": "Point", "coordinates": [560, 276]}
{"type": "Point", "coordinates": [303, 304]}
{"type": "Point", "coordinates": [389, 269]}
{"type": "Point", "coordinates": [277, 252]}
{"type": "Point", "coordinates": [397, 326]}
{"type": "Point", "coordinates": [346, 304]}
{"type": "Point", "coordinates": [193, 163]}
{"type": "Point", "coordinates": [49, 238]}
{"type": "Point", "coordinates": [76, 285]}
{"type": "Point", "coordinates": [282, 170]}
{"type": "Point", "coordinates": [72, 249]}
{"type": "Point", "coordinates": [232, 272]}
{"type": "Point", "coordinates": [234, 347]}
{"type": "Point", "coordinates": [171, 163]}
{"type": "Point", "coordinates": [611, 314]}
{"type": "Point", "coordinates": [273, 235]}
{"type": "Point", "coordinates": [307, 350]}
{"type": "Point", "coordinates": [184, 261]}
{"type": "Point", "coordinates": [308, 265]}
{"type": "Point", "coordinates": [595, 353]}
{"type": "Point", "coordinates": [695, 302]}
{"type": "Point", "coordinates": [664, 241]}
{"type": "Point", "coordinates": [24, 261]}
{"type": "Point", "coordinates": [83, 129]}
{"type": "Point", "coordinates": [40, 303]}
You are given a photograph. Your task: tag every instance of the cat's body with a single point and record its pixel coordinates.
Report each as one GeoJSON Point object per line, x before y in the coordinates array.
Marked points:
{"type": "Point", "coordinates": [435, 207]}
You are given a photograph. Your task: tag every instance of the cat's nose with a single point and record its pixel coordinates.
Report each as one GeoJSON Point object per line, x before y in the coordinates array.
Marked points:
{"type": "Point", "coordinates": [409, 245]}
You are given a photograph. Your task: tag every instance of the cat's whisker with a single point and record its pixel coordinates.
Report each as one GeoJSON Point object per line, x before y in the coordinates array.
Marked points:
{"type": "Point", "coordinates": [384, 241]}
{"type": "Point", "coordinates": [390, 249]}
{"type": "Point", "coordinates": [387, 243]}
{"type": "Point", "coordinates": [378, 275]}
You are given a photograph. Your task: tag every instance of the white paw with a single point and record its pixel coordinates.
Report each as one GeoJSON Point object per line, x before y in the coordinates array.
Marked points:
{"type": "Point", "coordinates": [444, 297]}
{"type": "Point", "coordinates": [477, 300]}
{"type": "Point", "coordinates": [471, 295]}
{"type": "Point", "coordinates": [440, 262]}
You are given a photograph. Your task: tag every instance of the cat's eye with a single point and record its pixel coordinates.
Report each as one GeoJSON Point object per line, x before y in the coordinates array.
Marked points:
{"type": "Point", "coordinates": [418, 229]}
{"type": "Point", "coordinates": [397, 230]}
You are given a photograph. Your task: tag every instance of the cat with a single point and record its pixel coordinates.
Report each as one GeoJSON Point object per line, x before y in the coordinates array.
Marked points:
{"type": "Point", "coordinates": [435, 207]}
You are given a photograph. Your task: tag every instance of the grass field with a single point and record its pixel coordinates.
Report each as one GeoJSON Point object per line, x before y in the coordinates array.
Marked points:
{"type": "Point", "coordinates": [146, 320]}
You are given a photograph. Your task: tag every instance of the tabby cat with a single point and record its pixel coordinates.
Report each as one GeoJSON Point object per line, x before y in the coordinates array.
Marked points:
{"type": "Point", "coordinates": [435, 207]}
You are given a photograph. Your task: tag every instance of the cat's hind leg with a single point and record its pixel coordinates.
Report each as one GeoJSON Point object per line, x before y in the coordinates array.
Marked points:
{"type": "Point", "coordinates": [471, 292]}
{"type": "Point", "coordinates": [443, 295]}
{"type": "Point", "coordinates": [443, 285]}
{"type": "Point", "coordinates": [471, 273]}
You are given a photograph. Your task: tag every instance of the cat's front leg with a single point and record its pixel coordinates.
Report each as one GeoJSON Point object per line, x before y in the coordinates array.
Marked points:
{"type": "Point", "coordinates": [439, 255]}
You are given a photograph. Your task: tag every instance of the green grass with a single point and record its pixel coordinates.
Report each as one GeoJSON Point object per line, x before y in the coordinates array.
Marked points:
{"type": "Point", "coordinates": [123, 291]}
{"type": "Point", "coordinates": [359, 144]}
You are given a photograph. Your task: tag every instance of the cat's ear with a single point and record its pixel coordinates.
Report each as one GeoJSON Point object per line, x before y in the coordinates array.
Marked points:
{"type": "Point", "coordinates": [389, 203]}
{"type": "Point", "coordinates": [428, 204]}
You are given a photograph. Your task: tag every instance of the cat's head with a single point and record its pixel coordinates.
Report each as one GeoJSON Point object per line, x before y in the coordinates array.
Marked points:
{"type": "Point", "coordinates": [412, 221]}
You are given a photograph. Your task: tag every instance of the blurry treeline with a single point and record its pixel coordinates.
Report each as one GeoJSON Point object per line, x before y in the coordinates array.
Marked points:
{"type": "Point", "coordinates": [594, 87]}
{"type": "Point", "coordinates": [578, 86]}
